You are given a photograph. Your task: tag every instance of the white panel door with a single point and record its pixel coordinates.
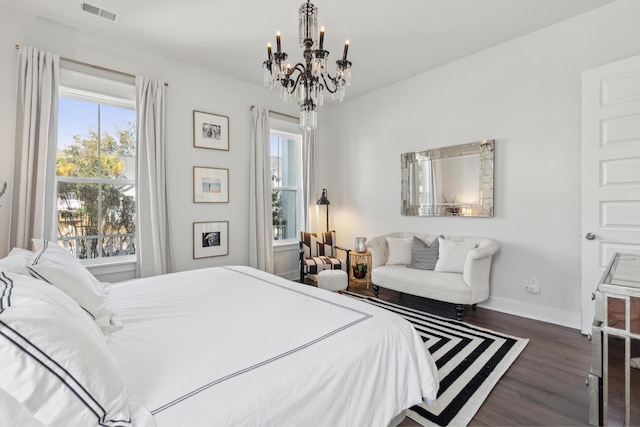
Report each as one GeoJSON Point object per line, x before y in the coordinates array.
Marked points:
{"type": "Point", "coordinates": [610, 171]}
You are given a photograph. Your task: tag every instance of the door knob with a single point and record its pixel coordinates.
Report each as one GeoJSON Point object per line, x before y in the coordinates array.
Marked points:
{"type": "Point", "coordinates": [590, 236]}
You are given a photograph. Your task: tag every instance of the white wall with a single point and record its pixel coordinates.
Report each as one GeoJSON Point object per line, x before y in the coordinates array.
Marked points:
{"type": "Point", "coordinates": [526, 95]}
{"type": "Point", "coordinates": [9, 26]}
{"type": "Point", "coordinates": [190, 88]}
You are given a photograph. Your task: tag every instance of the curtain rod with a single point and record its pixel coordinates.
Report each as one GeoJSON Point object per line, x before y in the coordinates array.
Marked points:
{"type": "Point", "coordinates": [278, 113]}
{"type": "Point", "coordinates": [97, 67]}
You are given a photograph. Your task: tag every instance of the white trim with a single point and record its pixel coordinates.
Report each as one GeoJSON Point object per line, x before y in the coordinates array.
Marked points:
{"type": "Point", "coordinates": [110, 181]}
{"type": "Point", "coordinates": [284, 130]}
{"type": "Point", "coordinates": [97, 262]}
{"type": "Point", "coordinates": [284, 245]}
{"type": "Point", "coordinates": [84, 83]}
{"type": "Point", "coordinates": [290, 126]}
{"type": "Point", "coordinates": [112, 265]}
{"type": "Point", "coordinates": [98, 98]}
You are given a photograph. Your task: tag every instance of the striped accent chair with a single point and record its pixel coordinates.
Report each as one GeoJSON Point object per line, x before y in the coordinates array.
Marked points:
{"type": "Point", "coordinates": [318, 251]}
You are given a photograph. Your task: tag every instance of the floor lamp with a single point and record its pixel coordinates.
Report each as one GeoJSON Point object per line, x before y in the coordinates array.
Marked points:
{"type": "Point", "coordinates": [324, 201]}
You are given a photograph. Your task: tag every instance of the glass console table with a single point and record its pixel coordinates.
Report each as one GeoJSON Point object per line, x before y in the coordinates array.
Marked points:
{"type": "Point", "coordinates": [614, 384]}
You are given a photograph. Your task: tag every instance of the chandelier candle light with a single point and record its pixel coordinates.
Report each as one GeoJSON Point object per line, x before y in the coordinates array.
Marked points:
{"type": "Point", "coordinates": [309, 80]}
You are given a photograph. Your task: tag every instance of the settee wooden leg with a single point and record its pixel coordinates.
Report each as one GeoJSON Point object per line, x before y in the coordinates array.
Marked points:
{"type": "Point", "coordinates": [459, 311]}
{"type": "Point", "coordinates": [474, 306]}
{"type": "Point", "coordinates": [376, 289]}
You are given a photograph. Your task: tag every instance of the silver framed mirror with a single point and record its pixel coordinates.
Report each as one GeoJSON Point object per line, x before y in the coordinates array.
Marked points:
{"type": "Point", "coordinates": [449, 181]}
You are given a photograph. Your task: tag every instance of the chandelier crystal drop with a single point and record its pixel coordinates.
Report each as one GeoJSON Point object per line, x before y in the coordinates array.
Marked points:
{"type": "Point", "coordinates": [307, 81]}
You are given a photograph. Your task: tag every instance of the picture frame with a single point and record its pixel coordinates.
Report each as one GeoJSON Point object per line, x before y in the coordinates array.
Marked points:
{"type": "Point", "coordinates": [210, 185]}
{"type": "Point", "coordinates": [210, 131]}
{"type": "Point", "coordinates": [210, 239]}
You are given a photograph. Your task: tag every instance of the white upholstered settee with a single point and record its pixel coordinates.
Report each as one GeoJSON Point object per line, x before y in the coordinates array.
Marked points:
{"type": "Point", "coordinates": [459, 273]}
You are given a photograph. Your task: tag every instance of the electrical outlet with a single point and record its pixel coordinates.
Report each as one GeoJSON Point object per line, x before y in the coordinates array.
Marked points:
{"type": "Point", "coordinates": [533, 286]}
{"type": "Point", "coordinates": [532, 289]}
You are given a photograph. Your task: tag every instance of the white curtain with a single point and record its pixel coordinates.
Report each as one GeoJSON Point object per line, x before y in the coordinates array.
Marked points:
{"type": "Point", "coordinates": [153, 247]}
{"type": "Point", "coordinates": [260, 221]}
{"type": "Point", "coordinates": [309, 170]}
{"type": "Point", "coordinates": [34, 165]}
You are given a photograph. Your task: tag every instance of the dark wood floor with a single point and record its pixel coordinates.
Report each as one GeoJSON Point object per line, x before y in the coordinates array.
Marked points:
{"type": "Point", "coordinates": [545, 386]}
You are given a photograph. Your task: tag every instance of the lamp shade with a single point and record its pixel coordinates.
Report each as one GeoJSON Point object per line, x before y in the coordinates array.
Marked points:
{"type": "Point", "coordinates": [323, 199]}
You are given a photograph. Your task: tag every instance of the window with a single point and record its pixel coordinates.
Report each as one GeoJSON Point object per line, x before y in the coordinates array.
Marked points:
{"type": "Point", "coordinates": [286, 181]}
{"type": "Point", "coordinates": [95, 166]}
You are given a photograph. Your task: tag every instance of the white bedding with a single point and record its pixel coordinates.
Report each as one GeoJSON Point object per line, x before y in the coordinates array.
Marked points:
{"type": "Point", "coordinates": [236, 346]}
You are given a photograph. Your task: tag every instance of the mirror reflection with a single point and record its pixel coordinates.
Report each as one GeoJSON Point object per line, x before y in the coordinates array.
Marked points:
{"type": "Point", "coordinates": [449, 181]}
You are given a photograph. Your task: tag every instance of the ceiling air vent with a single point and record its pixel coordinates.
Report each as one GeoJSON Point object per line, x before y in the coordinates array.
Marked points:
{"type": "Point", "coordinates": [95, 10]}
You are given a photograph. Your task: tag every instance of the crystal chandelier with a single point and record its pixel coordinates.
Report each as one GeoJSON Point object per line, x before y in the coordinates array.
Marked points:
{"type": "Point", "coordinates": [308, 80]}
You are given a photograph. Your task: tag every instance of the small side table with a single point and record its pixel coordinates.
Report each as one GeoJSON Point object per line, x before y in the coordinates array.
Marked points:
{"type": "Point", "coordinates": [360, 258]}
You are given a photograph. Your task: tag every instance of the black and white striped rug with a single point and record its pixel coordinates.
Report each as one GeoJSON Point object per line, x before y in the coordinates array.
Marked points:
{"type": "Point", "coordinates": [470, 362]}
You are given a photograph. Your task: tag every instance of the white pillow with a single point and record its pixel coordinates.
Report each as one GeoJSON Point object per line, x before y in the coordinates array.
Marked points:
{"type": "Point", "coordinates": [55, 360]}
{"type": "Point", "coordinates": [452, 255]}
{"type": "Point", "coordinates": [55, 265]}
{"type": "Point", "coordinates": [399, 250]}
{"type": "Point", "coordinates": [91, 299]}
{"type": "Point", "coordinates": [16, 261]}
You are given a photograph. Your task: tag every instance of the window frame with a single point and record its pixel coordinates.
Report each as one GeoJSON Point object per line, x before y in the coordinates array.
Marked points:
{"type": "Point", "coordinates": [85, 84]}
{"type": "Point", "coordinates": [290, 130]}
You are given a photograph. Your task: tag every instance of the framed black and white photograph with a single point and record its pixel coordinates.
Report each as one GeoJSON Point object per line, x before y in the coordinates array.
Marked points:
{"type": "Point", "coordinates": [210, 239]}
{"type": "Point", "coordinates": [210, 131]}
{"type": "Point", "coordinates": [210, 185]}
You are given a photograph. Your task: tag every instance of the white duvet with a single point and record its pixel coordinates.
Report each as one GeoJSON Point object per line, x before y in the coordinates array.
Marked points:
{"type": "Point", "coordinates": [231, 346]}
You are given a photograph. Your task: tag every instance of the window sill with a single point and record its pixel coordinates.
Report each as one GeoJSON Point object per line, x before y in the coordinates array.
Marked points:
{"type": "Point", "coordinates": [105, 266]}
{"type": "Point", "coordinates": [285, 245]}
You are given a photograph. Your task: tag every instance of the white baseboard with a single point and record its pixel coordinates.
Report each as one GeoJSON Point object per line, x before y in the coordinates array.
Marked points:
{"type": "Point", "coordinates": [536, 312]}
{"type": "Point", "coordinates": [503, 305]}
{"type": "Point", "coordinates": [290, 275]}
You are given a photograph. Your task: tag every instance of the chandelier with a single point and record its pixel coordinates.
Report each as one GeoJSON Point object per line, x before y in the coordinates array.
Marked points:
{"type": "Point", "coordinates": [307, 81]}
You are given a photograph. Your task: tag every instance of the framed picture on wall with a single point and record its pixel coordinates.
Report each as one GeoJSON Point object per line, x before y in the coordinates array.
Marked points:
{"type": "Point", "coordinates": [210, 131]}
{"type": "Point", "coordinates": [210, 185]}
{"type": "Point", "coordinates": [210, 239]}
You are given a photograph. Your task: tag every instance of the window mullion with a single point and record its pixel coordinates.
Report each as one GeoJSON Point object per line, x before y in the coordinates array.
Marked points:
{"type": "Point", "coordinates": [99, 220]}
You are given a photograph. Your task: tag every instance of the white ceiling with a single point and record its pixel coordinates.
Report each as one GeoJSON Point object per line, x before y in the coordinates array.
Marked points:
{"type": "Point", "coordinates": [388, 42]}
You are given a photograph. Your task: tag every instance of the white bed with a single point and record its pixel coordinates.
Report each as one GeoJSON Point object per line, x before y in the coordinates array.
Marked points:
{"type": "Point", "coordinates": [237, 346]}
